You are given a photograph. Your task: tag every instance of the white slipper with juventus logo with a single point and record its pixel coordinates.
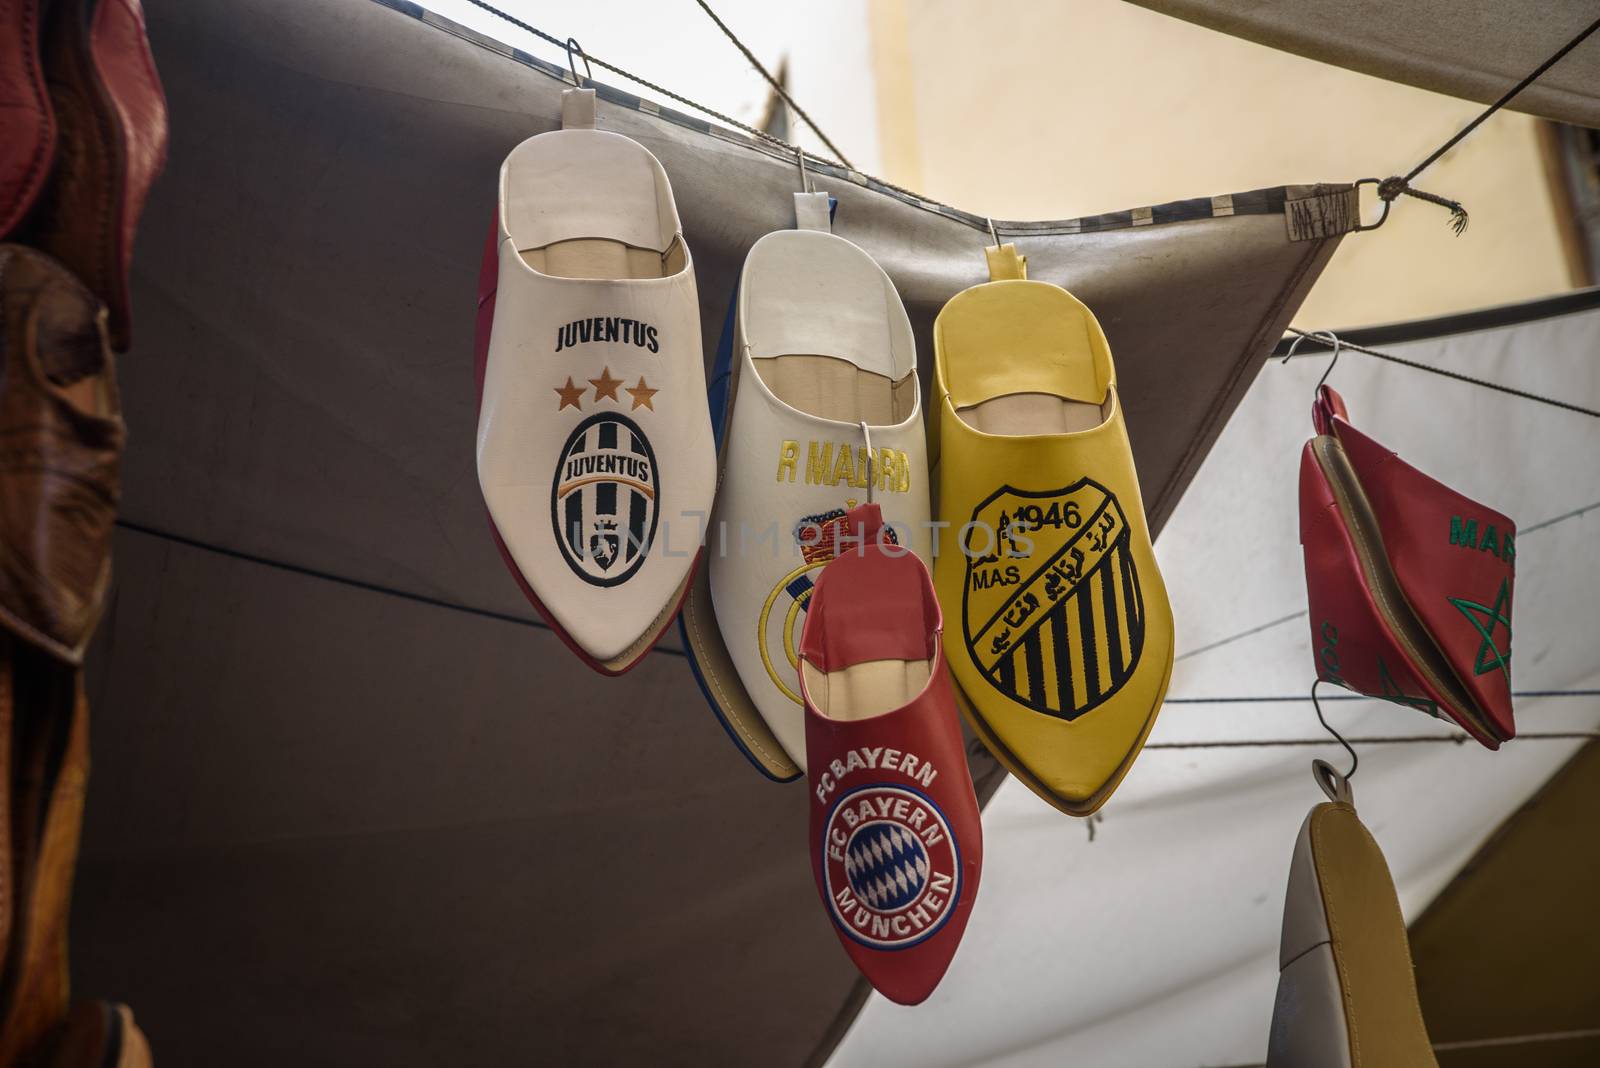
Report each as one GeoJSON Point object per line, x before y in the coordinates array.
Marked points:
{"type": "Point", "coordinates": [826, 415]}
{"type": "Point", "coordinates": [595, 454]}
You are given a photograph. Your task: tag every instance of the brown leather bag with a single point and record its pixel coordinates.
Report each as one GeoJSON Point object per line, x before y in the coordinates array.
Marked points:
{"type": "Point", "coordinates": [61, 436]}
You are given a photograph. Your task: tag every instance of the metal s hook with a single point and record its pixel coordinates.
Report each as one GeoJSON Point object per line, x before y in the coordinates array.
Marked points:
{"type": "Point", "coordinates": [866, 433]}
{"type": "Point", "coordinates": [573, 45]}
{"type": "Point", "coordinates": [805, 176]}
{"type": "Point", "coordinates": [992, 235]}
{"type": "Point", "coordinates": [1327, 337]}
{"type": "Point", "coordinates": [1355, 761]}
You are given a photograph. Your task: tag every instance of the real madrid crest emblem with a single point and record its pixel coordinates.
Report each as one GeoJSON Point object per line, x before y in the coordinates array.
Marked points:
{"type": "Point", "coordinates": [783, 613]}
{"type": "Point", "coordinates": [891, 870]}
{"type": "Point", "coordinates": [1051, 612]}
{"type": "Point", "coordinates": [604, 499]}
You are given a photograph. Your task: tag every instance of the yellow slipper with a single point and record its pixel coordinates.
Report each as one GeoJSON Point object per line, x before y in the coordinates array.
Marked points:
{"type": "Point", "coordinates": [1347, 991]}
{"type": "Point", "coordinates": [1064, 646]}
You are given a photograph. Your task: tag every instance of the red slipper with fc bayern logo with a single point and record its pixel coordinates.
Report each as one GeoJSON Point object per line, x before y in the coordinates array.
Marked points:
{"type": "Point", "coordinates": [897, 845]}
{"type": "Point", "coordinates": [1409, 581]}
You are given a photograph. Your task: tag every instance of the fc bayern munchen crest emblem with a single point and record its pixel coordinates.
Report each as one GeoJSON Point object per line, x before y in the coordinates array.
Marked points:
{"type": "Point", "coordinates": [603, 501]}
{"type": "Point", "coordinates": [891, 870]}
{"type": "Point", "coordinates": [1052, 612]}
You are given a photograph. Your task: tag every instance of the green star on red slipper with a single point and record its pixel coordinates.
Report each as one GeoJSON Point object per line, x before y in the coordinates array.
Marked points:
{"type": "Point", "coordinates": [1489, 655]}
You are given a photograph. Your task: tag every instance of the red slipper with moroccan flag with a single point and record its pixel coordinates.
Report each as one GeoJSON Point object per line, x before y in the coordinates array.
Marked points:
{"type": "Point", "coordinates": [1409, 581]}
{"type": "Point", "coordinates": [896, 840]}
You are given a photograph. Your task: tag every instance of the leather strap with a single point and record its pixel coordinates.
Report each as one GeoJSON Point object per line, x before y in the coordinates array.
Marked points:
{"type": "Point", "coordinates": [577, 109]}
{"type": "Point", "coordinates": [1336, 786]}
{"type": "Point", "coordinates": [1327, 405]}
{"type": "Point", "coordinates": [1005, 263]}
{"type": "Point", "coordinates": [812, 211]}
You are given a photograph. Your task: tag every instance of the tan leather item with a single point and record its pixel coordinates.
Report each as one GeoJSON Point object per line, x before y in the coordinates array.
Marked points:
{"type": "Point", "coordinates": [96, 1034]}
{"type": "Point", "coordinates": [46, 777]}
{"type": "Point", "coordinates": [1347, 994]}
{"type": "Point", "coordinates": [1369, 942]}
{"type": "Point", "coordinates": [61, 437]}
{"type": "Point", "coordinates": [8, 867]}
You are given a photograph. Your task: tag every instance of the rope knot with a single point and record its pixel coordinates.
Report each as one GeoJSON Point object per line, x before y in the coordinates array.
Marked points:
{"type": "Point", "coordinates": [1391, 189]}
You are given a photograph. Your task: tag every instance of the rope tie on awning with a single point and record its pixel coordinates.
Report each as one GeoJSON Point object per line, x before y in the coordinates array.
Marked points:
{"type": "Point", "coordinates": [1391, 189]}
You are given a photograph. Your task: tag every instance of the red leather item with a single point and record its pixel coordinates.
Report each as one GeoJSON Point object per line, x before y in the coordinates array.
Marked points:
{"type": "Point", "coordinates": [1410, 583]}
{"type": "Point", "coordinates": [122, 56]}
{"type": "Point", "coordinates": [27, 121]}
{"type": "Point", "coordinates": [896, 840]}
{"type": "Point", "coordinates": [113, 141]}
{"type": "Point", "coordinates": [488, 286]}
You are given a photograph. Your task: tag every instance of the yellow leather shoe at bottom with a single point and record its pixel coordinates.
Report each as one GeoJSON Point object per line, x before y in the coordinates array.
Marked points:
{"type": "Point", "coordinates": [1064, 643]}
{"type": "Point", "coordinates": [1347, 994]}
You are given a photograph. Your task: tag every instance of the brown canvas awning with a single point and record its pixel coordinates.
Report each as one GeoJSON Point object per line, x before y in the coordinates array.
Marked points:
{"type": "Point", "coordinates": [350, 803]}
{"type": "Point", "coordinates": [1476, 49]}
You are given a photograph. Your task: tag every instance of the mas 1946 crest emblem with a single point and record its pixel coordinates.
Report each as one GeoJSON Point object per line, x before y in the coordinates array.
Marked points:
{"type": "Point", "coordinates": [891, 870]}
{"type": "Point", "coordinates": [604, 499]}
{"type": "Point", "coordinates": [1051, 613]}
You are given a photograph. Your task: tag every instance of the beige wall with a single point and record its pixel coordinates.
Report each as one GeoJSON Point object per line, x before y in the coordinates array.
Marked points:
{"type": "Point", "coordinates": [1045, 110]}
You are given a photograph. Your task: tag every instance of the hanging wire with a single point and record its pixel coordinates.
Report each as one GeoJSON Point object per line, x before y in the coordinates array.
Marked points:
{"type": "Point", "coordinates": [1388, 188]}
{"type": "Point", "coordinates": [776, 86]}
{"type": "Point", "coordinates": [1534, 76]}
{"type": "Point", "coordinates": [1355, 761]}
{"type": "Point", "coordinates": [1376, 739]}
{"type": "Point", "coordinates": [1320, 338]}
{"type": "Point", "coordinates": [661, 90]}
{"type": "Point", "coordinates": [1294, 699]}
{"type": "Point", "coordinates": [1393, 187]}
{"type": "Point", "coordinates": [1321, 335]}
{"type": "Point", "coordinates": [976, 746]}
{"type": "Point", "coordinates": [866, 433]}
{"type": "Point", "coordinates": [571, 46]}
{"type": "Point", "coordinates": [1327, 337]}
